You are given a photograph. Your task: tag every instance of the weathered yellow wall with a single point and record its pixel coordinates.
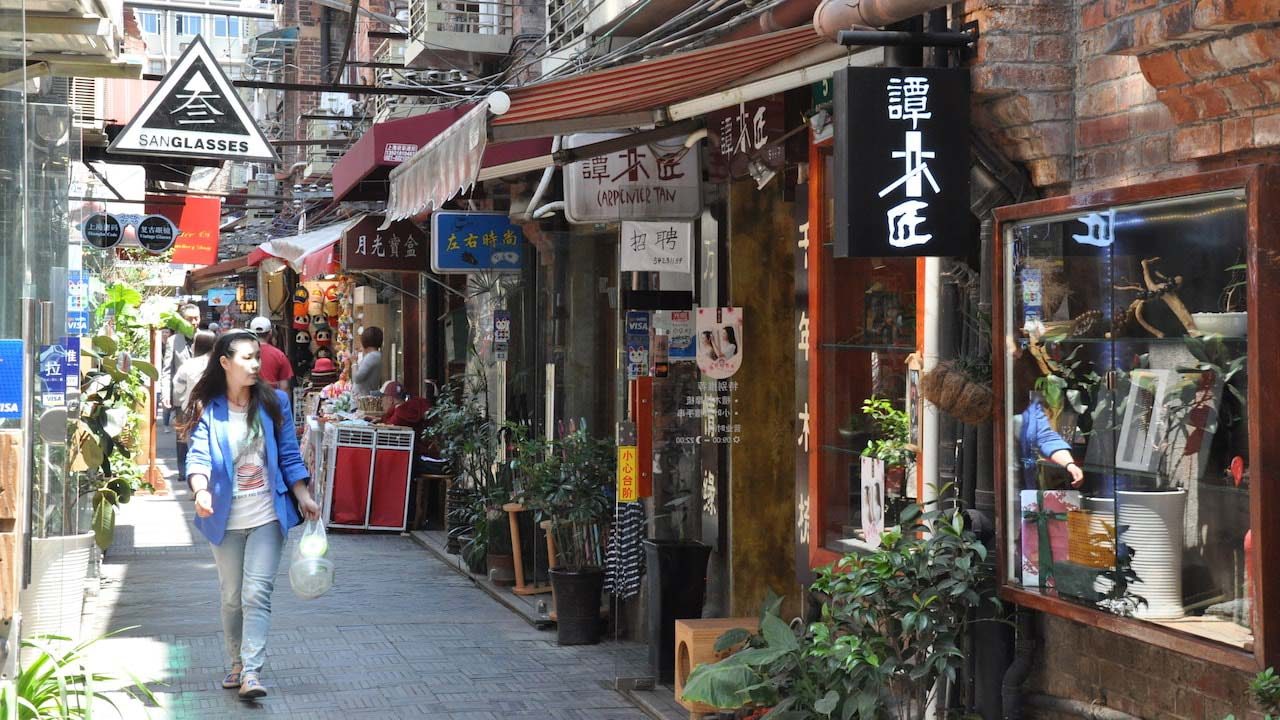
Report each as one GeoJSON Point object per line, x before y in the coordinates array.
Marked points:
{"type": "Point", "coordinates": [762, 472]}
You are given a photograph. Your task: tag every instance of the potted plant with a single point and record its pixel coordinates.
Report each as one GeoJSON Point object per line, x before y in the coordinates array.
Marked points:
{"type": "Point", "coordinates": [893, 623]}
{"type": "Point", "coordinates": [892, 445]}
{"type": "Point", "coordinates": [56, 682]}
{"type": "Point", "coordinates": [567, 485]}
{"type": "Point", "coordinates": [1233, 319]}
{"type": "Point", "coordinates": [461, 428]}
{"type": "Point", "coordinates": [675, 569]}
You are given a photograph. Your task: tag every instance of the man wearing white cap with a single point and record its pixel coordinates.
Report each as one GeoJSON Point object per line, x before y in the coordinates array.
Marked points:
{"type": "Point", "coordinates": [275, 367]}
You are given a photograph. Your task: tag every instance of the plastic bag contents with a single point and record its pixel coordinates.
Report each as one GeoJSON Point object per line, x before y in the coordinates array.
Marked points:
{"type": "Point", "coordinates": [311, 572]}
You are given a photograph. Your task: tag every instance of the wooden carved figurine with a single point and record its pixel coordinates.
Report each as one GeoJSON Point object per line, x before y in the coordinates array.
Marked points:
{"type": "Point", "coordinates": [1156, 287]}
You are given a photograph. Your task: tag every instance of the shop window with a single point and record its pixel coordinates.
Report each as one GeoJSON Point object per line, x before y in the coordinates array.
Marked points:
{"type": "Point", "coordinates": [1129, 422]}
{"type": "Point", "coordinates": [862, 314]}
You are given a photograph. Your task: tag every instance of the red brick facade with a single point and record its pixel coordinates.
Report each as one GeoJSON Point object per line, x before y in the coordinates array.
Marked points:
{"type": "Point", "coordinates": [1106, 93]}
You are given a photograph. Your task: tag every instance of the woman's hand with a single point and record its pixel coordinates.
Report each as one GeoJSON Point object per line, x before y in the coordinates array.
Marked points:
{"type": "Point", "coordinates": [307, 505]}
{"type": "Point", "coordinates": [204, 503]}
{"type": "Point", "coordinates": [1077, 474]}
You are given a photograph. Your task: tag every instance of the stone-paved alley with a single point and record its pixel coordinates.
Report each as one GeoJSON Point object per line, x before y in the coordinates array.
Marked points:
{"type": "Point", "coordinates": [401, 635]}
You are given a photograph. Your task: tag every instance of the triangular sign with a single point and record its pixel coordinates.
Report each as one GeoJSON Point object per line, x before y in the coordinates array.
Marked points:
{"type": "Point", "coordinates": [195, 112]}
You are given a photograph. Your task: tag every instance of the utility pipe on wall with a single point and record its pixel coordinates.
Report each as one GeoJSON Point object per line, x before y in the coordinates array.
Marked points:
{"type": "Point", "coordinates": [832, 16]}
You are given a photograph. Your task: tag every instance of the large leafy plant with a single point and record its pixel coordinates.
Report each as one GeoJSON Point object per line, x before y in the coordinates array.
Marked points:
{"type": "Point", "coordinates": [462, 431]}
{"type": "Point", "coordinates": [57, 683]}
{"type": "Point", "coordinates": [113, 392]}
{"type": "Point", "coordinates": [892, 625]}
{"type": "Point", "coordinates": [567, 482]}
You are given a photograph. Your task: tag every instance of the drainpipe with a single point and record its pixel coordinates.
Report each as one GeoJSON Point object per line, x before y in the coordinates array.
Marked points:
{"type": "Point", "coordinates": [832, 16]}
{"type": "Point", "coordinates": [1011, 689]}
{"type": "Point", "coordinates": [788, 14]}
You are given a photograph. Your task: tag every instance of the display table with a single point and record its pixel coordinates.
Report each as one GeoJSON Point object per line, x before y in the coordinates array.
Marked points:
{"type": "Point", "coordinates": [366, 476]}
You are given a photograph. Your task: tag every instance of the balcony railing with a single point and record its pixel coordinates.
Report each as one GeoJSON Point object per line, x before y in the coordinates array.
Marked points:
{"type": "Point", "coordinates": [457, 31]}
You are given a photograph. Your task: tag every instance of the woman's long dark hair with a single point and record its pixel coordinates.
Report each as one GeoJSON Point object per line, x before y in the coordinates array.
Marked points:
{"type": "Point", "coordinates": [213, 384]}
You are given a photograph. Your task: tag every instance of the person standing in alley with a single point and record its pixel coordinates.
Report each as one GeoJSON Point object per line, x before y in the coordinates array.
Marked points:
{"type": "Point", "coordinates": [249, 486]}
{"type": "Point", "coordinates": [184, 380]}
{"type": "Point", "coordinates": [367, 376]}
{"type": "Point", "coordinates": [176, 351]}
{"type": "Point", "coordinates": [277, 371]}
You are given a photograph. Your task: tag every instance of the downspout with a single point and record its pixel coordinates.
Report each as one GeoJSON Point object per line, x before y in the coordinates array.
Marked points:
{"type": "Point", "coordinates": [832, 16]}
{"type": "Point", "coordinates": [1011, 688]}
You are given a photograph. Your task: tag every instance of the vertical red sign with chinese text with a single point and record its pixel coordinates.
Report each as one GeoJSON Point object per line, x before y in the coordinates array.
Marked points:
{"type": "Point", "coordinates": [198, 220]}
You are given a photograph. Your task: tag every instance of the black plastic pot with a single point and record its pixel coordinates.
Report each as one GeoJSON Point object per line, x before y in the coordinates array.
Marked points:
{"type": "Point", "coordinates": [577, 596]}
{"type": "Point", "coordinates": [676, 579]}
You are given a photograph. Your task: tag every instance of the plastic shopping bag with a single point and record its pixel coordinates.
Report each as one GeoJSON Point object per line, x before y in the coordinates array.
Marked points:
{"type": "Point", "coordinates": [311, 572]}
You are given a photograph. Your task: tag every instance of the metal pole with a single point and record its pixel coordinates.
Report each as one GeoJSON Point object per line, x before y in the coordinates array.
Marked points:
{"type": "Point", "coordinates": [899, 38]}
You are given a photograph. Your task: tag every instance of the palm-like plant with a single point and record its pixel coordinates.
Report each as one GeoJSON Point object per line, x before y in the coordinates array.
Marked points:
{"type": "Point", "coordinates": [58, 684]}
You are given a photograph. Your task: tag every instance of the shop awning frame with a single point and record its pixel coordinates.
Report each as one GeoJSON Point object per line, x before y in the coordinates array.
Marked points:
{"type": "Point", "coordinates": [296, 251]}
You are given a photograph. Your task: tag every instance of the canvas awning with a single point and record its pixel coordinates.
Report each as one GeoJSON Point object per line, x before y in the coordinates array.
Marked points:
{"type": "Point", "coordinates": [362, 172]}
{"type": "Point", "coordinates": [309, 253]}
{"type": "Point", "coordinates": [647, 93]}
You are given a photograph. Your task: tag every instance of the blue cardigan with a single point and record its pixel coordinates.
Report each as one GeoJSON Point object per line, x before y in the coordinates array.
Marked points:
{"type": "Point", "coordinates": [210, 454]}
{"type": "Point", "coordinates": [1036, 439]}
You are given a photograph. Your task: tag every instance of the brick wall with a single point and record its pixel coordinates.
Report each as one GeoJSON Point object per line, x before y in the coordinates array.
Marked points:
{"type": "Point", "coordinates": [1083, 663]}
{"type": "Point", "coordinates": [1103, 93]}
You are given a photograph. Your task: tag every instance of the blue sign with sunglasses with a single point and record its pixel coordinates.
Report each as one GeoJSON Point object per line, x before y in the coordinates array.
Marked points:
{"type": "Point", "coordinates": [464, 242]}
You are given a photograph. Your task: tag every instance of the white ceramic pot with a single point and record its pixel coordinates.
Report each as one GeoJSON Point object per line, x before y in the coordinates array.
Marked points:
{"type": "Point", "coordinates": [1151, 524]}
{"type": "Point", "coordinates": [54, 601]}
{"type": "Point", "coordinates": [1230, 324]}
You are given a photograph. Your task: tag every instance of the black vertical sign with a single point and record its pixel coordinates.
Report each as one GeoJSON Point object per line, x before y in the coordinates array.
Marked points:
{"type": "Point", "coordinates": [902, 162]}
{"type": "Point", "coordinates": [805, 347]}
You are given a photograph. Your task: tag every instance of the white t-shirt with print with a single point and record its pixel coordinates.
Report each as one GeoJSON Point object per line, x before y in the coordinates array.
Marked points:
{"type": "Point", "coordinates": [251, 505]}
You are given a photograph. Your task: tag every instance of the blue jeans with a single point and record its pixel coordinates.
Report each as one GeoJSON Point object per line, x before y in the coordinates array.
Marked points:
{"type": "Point", "coordinates": [247, 562]}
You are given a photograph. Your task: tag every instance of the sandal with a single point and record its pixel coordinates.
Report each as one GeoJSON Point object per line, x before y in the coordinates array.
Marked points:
{"type": "Point", "coordinates": [232, 679]}
{"type": "Point", "coordinates": [250, 687]}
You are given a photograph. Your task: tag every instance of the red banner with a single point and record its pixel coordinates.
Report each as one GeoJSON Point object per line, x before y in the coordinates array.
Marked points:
{"type": "Point", "coordinates": [197, 219]}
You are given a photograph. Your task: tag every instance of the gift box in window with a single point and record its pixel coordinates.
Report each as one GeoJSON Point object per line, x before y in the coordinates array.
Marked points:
{"type": "Point", "coordinates": [1045, 541]}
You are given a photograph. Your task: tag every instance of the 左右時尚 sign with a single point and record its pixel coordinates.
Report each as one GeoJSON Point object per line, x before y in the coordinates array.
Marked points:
{"type": "Point", "coordinates": [402, 246]}
{"type": "Point", "coordinates": [628, 473]}
{"type": "Point", "coordinates": [656, 246]}
{"type": "Point", "coordinates": [102, 231]}
{"type": "Point", "coordinates": [902, 162]}
{"type": "Point", "coordinates": [195, 112]}
{"type": "Point", "coordinates": [156, 233]}
{"type": "Point", "coordinates": [463, 242]}
{"type": "Point", "coordinates": [647, 181]}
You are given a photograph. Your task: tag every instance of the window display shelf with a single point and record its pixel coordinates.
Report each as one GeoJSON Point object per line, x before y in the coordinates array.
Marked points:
{"type": "Point", "coordinates": [1055, 340]}
{"type": "Point", "coordinates": [841, 450]}
{"type": "Point", "coordinates": [895, 349]}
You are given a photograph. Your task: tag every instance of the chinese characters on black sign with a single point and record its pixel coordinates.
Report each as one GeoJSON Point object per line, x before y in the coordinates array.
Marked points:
{"type": "Point", "coordinates": [403, 246]}
{"type": "Point", "coordinates": [742, 133]}
{"type": "Point", "coordinates": [902, 162]}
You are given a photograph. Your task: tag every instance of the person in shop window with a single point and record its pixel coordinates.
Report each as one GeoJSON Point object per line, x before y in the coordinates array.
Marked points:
{"type": "Point", "coordinates": [1036, 436]}
{"type": "Point", "coordinates": [242, 466]}
{"type": "Point", "coordinates": [367, 375]}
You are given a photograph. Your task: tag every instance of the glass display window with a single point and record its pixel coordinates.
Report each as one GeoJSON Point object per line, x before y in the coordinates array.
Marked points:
{"type": "Point", "coordinates": [1129, 431]}
{"type": "Point", "coordinates": [863, 336]}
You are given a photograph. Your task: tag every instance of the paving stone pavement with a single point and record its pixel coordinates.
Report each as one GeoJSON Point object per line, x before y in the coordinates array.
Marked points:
{"type": "Point", "coordinates": [401, 635]}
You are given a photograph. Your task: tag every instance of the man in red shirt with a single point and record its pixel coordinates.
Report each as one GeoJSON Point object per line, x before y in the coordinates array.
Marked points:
{"type": "Point", "coordinates": [275, 368]}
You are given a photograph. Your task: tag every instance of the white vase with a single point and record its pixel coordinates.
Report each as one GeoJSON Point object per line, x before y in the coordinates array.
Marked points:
{"type": "Point", "coordinates": [54, 601]}
{"type": "Point", "coordinates": [1150, 523]}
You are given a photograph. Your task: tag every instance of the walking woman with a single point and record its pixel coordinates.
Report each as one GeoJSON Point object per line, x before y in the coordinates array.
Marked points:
{"type": "Point", "coordinates": [243, 466]}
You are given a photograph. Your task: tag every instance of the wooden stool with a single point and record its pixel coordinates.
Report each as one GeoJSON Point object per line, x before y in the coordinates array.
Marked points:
{"type": "Point", "coordinates": [512, 509]}
{"type": "Point", "coordinates": [695, 645]}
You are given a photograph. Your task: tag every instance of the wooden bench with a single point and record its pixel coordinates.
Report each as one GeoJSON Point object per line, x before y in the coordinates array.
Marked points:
{"type": "Point", "coordinates": [695, 645]}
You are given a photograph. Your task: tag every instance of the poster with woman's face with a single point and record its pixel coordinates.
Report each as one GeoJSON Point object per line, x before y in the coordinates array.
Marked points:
{"type": "Point", "coordinates": [872, 500]}
{"type": "Point", "coordinates": [719, 341]}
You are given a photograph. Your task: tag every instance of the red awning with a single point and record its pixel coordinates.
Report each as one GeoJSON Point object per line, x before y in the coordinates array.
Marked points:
{"type": "Point", "coordinates": [362, 172]}
{"type": "Point", "coordinates": [645, 86]}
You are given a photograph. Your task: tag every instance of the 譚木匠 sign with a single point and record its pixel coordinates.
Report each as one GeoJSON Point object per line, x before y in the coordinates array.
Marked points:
{"type": "Point", "coordinates": [902, 162]}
